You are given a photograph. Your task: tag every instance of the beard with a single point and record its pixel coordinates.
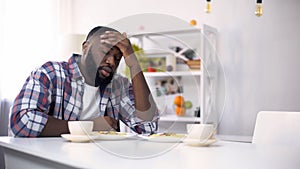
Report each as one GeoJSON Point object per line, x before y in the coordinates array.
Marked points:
{"type": "Point", "coordinates": [94, 71]}
{"type": "Point", "coordinates": [103, 80]}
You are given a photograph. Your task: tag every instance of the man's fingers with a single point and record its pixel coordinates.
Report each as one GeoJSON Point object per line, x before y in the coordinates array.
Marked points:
{"type": "Point", "coordinates": [124, 34]}
{"type": "Point", "coordinates": [112, 122]}
{"type": "Point", "coordinates": [106, 47]}
{"type": "Point", "coordinates": [117, 39]}
{"type": "Point", "coordinates": [113, 37]}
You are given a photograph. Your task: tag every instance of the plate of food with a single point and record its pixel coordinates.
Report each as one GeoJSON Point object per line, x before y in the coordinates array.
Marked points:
{"type": "Point", "coordinates": [165, 137]}
{"type": "Point", "coordinates": [113, 135]}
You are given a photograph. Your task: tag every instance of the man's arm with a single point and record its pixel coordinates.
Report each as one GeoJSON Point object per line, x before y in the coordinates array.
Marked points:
{"type": "Point", "coordinates": [144, 103]}
{"type": "Point", "coordinates": [55, 127]}
{"type": "Point", "coordinates": [31, 108]}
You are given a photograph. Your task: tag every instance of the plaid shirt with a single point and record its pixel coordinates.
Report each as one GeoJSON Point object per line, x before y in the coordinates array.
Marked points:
{"type": "Point", "coordinates": [56, 89]}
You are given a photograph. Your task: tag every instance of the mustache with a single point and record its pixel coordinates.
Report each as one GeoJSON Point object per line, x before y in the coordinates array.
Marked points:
{"type": "Point", "coordinates": [100, 80]}
{"type": "Point", "coordinates": [107, 68]}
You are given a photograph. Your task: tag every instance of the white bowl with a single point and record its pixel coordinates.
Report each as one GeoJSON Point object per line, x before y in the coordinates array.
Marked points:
{"type": "Point", "coordinates": [80, 127]}
{"type": "Point", "coordinates": [200, 131]}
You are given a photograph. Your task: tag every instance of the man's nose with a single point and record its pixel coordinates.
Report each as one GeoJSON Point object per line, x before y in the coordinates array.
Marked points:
{"type": "Point", "coordinates": [110, 60]}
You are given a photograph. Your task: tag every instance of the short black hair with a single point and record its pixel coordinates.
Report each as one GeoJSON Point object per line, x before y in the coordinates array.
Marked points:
{"type": "Point", "coordinates": [99, 30]}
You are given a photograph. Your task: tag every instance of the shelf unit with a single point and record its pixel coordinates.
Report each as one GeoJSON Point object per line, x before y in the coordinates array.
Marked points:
{"type": "Point", "coordinates": [202, 88]}
{"type": "Point", "coordinates": [174, 73]}
{"type": "Point", "coordinates": [169, 122]}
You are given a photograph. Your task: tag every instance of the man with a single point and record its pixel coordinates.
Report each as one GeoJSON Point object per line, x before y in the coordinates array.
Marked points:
{"type": "Point", "coordinates": [86, 88]}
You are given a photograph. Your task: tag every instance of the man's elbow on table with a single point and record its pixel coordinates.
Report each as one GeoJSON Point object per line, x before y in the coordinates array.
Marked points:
{"type": "Point", "coordinates": [26, 125]}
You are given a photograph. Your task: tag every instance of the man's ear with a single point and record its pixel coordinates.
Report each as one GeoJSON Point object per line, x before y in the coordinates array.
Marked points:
{"type": "Point", "coordinates": [85, 46]}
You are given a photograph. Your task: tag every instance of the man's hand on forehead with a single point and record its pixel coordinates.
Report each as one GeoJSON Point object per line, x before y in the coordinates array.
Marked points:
{"type": "Point", "coordinates": [106, 48]}
{"type": "Point", "coordinates": [112, 38]}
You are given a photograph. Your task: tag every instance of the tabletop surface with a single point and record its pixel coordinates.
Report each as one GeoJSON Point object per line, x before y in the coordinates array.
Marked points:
{"type": "Point", "coordinates": [136, 153]}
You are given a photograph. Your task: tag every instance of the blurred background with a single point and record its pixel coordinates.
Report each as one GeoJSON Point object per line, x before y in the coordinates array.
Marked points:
{"type": "Point", "coordinates": [259, 55]}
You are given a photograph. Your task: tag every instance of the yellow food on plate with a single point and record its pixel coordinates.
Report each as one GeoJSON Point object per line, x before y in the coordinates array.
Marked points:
{"type": "Point", "coordinates": [111, 133]}
{"type": "Point", "coordinates": [167, 135]}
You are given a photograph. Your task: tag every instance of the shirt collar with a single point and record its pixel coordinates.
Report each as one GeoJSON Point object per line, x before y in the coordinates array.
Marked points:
{"type": "Point", "coordinates": [73, 66]}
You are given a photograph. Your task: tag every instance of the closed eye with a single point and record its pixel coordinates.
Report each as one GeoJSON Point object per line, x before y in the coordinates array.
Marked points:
{"type": "Point", "coordinates": [117, 58]}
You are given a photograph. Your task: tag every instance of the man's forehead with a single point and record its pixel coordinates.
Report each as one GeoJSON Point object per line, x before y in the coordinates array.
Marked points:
{"type": "Point", "coordinates": [102, 46]}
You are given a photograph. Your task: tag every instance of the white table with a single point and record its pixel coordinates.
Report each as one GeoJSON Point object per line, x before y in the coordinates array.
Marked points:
{"type": "Point", "coordinates": [57, 153]}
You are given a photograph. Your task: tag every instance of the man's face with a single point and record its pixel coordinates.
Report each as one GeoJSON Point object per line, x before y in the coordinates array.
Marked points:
{"type": "Point", "coordinates": [102, 62]}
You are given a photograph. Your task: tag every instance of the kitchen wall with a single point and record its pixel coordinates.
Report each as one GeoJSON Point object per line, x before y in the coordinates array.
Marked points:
{"type": "Point", "coordinates": [260, 55]}
{"type": "Point", "coordinates": [261, 59]}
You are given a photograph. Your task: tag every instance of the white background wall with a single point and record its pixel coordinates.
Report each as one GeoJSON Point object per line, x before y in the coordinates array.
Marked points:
{"type": "Point", "coordinates": [260, 55]}
{"type": "Point", "coordinates": [261, 58]}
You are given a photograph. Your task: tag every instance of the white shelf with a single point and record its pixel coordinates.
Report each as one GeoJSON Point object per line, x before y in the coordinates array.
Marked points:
{"type": "Point", "coordinates": [174, 118]}
{"type": "Point", "coordinates": [170, 32]}
{"type": "Point", "coordinates": [175, 73]}
{"type": "Point", "coordinates": [196, 84]}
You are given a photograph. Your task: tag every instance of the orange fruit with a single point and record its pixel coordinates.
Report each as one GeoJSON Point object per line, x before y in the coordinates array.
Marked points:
{"type": "Point", "coordinates": [180, 111]}
{"type": "Point", "coordinates": [193, 22]}
{"type": "Point", "coordinates": [179, 101]}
